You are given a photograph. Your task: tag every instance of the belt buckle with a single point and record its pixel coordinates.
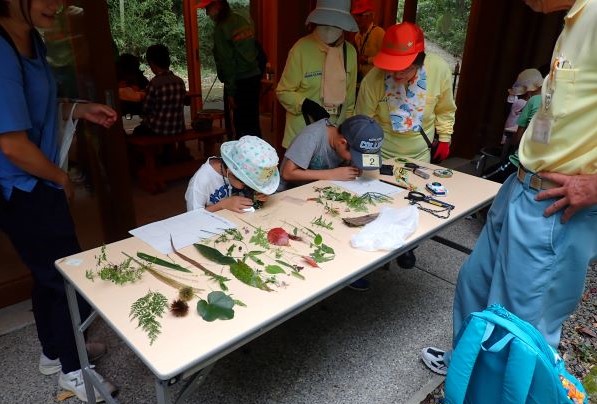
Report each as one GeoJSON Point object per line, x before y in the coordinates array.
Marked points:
{"type": "Point", "coordinates": [536, 182]}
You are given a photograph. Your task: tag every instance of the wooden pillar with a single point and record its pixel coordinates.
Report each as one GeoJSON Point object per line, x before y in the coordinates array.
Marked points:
{"type": "Point", "coordinates": [191, 28]}
{"type": "Point", "coordinates": [410, 11]}
{"type": "Point", "coordinates": [107, 147]}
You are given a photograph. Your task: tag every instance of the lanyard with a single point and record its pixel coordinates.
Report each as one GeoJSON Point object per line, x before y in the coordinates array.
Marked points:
{"type": "Point", "coordinates": [415, 198]}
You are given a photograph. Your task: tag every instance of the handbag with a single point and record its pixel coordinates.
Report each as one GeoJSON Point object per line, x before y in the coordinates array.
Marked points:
{"type": "Point", "coordinates": [431, 145]}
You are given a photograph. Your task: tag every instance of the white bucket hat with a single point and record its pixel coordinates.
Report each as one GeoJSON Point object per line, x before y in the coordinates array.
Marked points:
{"type": "Point", "coordinates": [253, 161]}
{"type": "Point", "coordinates": [527, 80]}
{"type": "Point", "coordinates": [335, 13]}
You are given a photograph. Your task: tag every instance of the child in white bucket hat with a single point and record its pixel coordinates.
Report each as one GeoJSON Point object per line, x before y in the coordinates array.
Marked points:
{"type": "Point", "coordinates": [244, 175]}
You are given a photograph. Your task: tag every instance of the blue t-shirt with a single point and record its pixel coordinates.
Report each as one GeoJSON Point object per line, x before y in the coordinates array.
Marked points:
{"type": "Point", "coordinates": [27, 103]}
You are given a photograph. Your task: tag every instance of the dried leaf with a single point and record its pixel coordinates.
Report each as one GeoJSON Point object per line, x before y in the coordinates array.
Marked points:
{"type": "Point", "coordinates": [587, 331]}
{"type": "Point", "coordinates": [295, 238]}
{"type": "Point", "coordinates": [278, 236]}
{"type": "Point", "coordinates": [310, 261]}
{"type": "Point", "coordinates": [359, 220]}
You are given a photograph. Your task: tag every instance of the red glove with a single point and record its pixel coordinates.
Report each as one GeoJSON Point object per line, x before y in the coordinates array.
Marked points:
{"type": "Point", "coordinates": [442, 152]}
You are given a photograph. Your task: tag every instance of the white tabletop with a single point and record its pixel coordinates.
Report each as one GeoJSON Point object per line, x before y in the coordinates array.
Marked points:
{"type": "Point", "coordinates": [190, 341]}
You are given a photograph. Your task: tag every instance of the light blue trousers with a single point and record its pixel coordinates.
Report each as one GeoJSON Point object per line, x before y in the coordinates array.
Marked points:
{"type": "Point", "coordinates": [532, 265]}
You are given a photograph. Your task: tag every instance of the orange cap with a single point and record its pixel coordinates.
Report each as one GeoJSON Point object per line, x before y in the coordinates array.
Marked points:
{"type": "Point", "coordinates": [361, 6]}
{"type": "Point", "coordinates": [400, 47]}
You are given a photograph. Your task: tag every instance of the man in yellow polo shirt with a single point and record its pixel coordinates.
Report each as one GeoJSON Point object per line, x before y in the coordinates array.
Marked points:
{"type": "Point", "coordinates": [541, 232]}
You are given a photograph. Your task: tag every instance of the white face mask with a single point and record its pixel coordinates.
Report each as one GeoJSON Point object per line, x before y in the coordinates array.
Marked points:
{"type": "Point", "coordinates": [328, 34]}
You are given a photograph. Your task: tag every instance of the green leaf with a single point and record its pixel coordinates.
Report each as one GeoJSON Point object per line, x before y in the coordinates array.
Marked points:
{"type": "Point", "coordinates": [318, 239]}
{"type": "Point", "coordinates": [161, 262]}
{"type": "Point", "coordinates": [217, 307]}
{"type": "Point", "coordinates": [274, 269]}
{"type": "Point", "coordinates": [239, 303]}
{"type": "Point", "coordinates": [327, 249]}
{"type": "Point", "coordinates": [254, 259]}
{"type": "Point", "coordinates": [214, 255]}
{"type": "Point", "coordinates": [285, 264]}
{"type": "Point", "coordinates": [297, 275]}
{"type": "Point", "coordinates": [247, 275]}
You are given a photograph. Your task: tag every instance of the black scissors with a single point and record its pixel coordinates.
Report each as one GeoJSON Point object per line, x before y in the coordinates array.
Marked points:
{"type": "Point", "coordinates": [415, 196]}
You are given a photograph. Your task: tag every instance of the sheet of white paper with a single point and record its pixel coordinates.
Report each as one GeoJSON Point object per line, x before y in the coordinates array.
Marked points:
{"type": "Point", "coordinates": [185, 229]}
{"type": "Point", "coordinates": [363, 185]}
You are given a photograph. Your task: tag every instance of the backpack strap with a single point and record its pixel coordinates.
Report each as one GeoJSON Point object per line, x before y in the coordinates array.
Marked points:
{"type": "Point", "coordinates": [519, 373]}
{"type": "Point", "coordinates": [460, 370]}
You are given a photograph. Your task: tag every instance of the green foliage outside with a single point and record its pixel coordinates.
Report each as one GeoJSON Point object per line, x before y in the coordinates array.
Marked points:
{"type": "Point", "coordinates": [444, 22]}
{"type": "Point", "coordinates": [147, 22]}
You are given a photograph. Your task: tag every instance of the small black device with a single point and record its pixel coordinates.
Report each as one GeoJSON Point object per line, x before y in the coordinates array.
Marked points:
{"type": "Point", "coordinates": [386, 169]}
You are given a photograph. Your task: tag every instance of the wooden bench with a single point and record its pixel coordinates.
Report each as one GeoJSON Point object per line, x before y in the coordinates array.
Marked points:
{"type": "Point", "coordinates": [153, 176]}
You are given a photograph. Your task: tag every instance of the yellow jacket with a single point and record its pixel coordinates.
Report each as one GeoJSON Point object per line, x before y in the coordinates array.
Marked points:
{"type": "Point", "coordinates": [302, 79]}
{"type": "Point", "coordinates": [372, 44]}
{"type": "Point", "coordinates": [438, 116]}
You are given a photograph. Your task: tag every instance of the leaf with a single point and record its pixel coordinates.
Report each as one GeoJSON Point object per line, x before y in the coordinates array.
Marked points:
{"type": "Point", "coordinates": [297, 275]}
{"type": "Point", "coordinates": [254, 259]}
{"type": "Point", "coordinates": [274, 269]}
{"type": "Point", "coordinates": [217, 307]}
{"type": "Point", "coordinates": [278, 236]}
{"type": "Point", "coordinates": [295, 238]}
{"type": "Point", "coordinates": [587, 331]}
{"type": "Point", "coordinates": [310, 261]}
{"type": "Point", "coordinates": [161, 262]}
{"type": "Point", "coordinates": [327, 249]}
{"type": "Point", "coordinates": [318, 239]}
{"type": "Point", "coordinates": [216, 277]}
{"type": "Point", "coordinates": [214, 255]}
{"type": "Point", "coordinates": [239, 303]}
{"type": "Point", "coordinates": [285, 264]}
{"type": "Point", "coordinates": [248, 276]}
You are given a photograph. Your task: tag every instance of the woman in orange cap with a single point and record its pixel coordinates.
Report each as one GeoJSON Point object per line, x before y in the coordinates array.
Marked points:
{"type": "Point", "coordinates": [409, 93]}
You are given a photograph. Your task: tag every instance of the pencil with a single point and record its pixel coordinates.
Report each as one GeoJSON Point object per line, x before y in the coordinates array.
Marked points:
{"type": "Point", "coordinates": [392, 183]}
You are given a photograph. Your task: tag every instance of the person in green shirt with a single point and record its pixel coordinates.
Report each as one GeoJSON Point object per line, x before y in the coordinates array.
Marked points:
{"type": "Point", "coordinates": [236, 54]}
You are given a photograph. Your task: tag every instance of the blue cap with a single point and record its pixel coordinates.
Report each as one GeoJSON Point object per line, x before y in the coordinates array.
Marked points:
{"type": "Point", "coordinates": [365, 138]}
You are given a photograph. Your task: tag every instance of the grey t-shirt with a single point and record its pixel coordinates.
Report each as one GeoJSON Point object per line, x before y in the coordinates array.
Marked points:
{"type": "Point", "coordinates": [311, 150]}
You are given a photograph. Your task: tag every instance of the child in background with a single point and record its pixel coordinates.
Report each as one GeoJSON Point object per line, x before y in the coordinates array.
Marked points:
{"type": "Point", "coordinates": [246, 172]}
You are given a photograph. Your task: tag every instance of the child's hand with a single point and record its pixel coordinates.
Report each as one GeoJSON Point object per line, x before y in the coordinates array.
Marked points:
{"type": "Point", "coordinates": [345, 173]}
{"type": "Point", "coordinates": [261, 197]}
{"type": "Point", "coordinates": [236, 203]}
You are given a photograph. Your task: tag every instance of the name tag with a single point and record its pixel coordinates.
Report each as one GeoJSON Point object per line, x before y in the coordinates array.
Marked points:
{"type": "Point", "coordinates": [542, 128]}
{"type": "Point", "coordinates": [371, 161]}
{"type": "Point", "coordinates": [331, 110]}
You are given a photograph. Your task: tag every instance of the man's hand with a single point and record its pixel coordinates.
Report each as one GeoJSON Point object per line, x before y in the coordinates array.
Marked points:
{"type": "Point", "coordinates": [96, 113]}
{"type": "Point", "coordinates": [236, 203]}
{"type": "Point", "coordinates": [576, 192]}
{"type": "Point", "coordinates": [344, 173]}
{"type": "Point", "coordinates": [67, 186]}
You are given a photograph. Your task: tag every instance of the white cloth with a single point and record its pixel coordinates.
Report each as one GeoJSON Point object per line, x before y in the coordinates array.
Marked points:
{"type": "Point", "coordinates": [333, 88]}
{"type": "Point", "coordinates": [66, 133]}
{"type": "Point", "coordinates": [389, 231]}
{"type": "Point", "coordinates": [206, 188]}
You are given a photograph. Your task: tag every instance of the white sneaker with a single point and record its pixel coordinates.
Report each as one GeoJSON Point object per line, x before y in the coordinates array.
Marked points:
{"type": "Point", "coordinates": [49, 366]}
{"type": "Point", "coordinates": [433, 358]}
{"type": "Point", "coordinates": [74, 382]}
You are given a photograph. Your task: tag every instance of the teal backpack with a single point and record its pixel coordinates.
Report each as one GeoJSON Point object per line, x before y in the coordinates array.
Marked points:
{"type": "Point", "coordinates": [499, 358]}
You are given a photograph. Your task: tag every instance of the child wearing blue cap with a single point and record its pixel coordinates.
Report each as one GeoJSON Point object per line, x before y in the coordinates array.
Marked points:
{"type": "Point", "coordinates": [323, 151]}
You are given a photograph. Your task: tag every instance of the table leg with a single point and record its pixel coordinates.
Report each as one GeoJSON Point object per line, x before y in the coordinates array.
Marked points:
{"type": "Point", "coordinates": [79, 328]}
